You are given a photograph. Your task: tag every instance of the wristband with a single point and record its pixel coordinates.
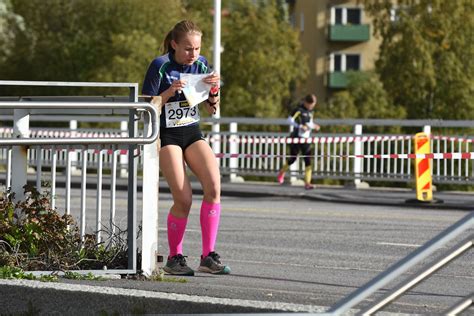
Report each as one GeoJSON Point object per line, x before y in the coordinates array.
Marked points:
{"type": "Point", "coordinates": [212, 105]}
{"type": "Point", "coordinates": [214, 91]}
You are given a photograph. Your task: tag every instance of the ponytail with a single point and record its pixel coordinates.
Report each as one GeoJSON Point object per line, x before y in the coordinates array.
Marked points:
{"type": "Point", "coordinates": [167, 43]}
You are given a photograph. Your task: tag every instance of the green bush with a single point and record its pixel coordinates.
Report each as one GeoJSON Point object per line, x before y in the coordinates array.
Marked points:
{"type": "Point", "coordinates": [35, 237]}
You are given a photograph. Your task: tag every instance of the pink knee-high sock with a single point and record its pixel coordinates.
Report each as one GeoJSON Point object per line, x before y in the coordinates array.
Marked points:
{"type": "Point", "coordinates": [176, 229]}
{"type": "Point", "coordinates": [210, 215]}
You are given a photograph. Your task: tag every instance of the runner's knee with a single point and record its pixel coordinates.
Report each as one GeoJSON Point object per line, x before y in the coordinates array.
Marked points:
{"type": "Point", "coordinates": [212, 191]}
{"type": "Point", "coordinates": [182, 202]}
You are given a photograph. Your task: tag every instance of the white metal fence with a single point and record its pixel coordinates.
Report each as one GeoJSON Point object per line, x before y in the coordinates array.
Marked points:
{"type": "Point", "coordinates": [51, 159]}
{"type": "Point", "coordinates": [351, 157]}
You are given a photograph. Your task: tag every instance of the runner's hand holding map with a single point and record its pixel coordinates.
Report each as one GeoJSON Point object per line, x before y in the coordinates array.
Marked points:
{"type": "Point", "coordinates": [196, 90]}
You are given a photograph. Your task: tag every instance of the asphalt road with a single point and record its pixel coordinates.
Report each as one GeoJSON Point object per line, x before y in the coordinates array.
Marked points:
{"type": "Point", "coordinates": [308, 252]}
{"type": "Point", "coordinates": [315, 253]}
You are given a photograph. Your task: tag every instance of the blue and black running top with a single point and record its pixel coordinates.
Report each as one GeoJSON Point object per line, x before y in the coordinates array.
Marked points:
{"type": "Point", "coordinates": [298, 117]}
{"type": "Point", "coordinates": [161, 73]}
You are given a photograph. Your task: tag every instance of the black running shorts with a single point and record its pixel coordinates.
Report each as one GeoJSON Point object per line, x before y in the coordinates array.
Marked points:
{"type": "Point", "coordinates": [180, 136]}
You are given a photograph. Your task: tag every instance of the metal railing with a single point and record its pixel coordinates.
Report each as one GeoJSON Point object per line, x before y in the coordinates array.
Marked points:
{"type": "Point", "coordinates": [23, 153]}
{"type": "Point", "coordinates": [396, 270]}
{"type": "Point", "coordinates": [30, 107]}
{"type": "Point", "coordinates": [355, 157]}
{"type": "Point", "coordinates": [345, 156]}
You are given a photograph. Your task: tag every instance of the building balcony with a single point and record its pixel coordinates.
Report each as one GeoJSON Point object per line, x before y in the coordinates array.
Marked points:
{"type": "Point", "coordinates": [337, 80]}
{"type": "Point", "coordinates": [349, 32]}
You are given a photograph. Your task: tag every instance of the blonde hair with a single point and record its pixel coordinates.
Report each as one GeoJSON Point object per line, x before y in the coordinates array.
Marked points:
{"type": "Point", "coordinates": [181, 29]}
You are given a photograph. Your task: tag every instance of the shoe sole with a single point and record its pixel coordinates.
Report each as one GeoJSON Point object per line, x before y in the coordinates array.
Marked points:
{"type": "Point", "coordinates": [172, 272]}
{"type": "Point", "coordinates": [226, 270]}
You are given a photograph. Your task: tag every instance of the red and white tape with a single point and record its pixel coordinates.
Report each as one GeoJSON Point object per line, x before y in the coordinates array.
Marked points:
{"type": "Point", "coordinates": [327, 139]}
{"type": "Point", "coordinates": [91, 151]}
{"type": "Point", "coordinates": [459, 155]}
{"type": "Point", "coordinates": [448, 156]}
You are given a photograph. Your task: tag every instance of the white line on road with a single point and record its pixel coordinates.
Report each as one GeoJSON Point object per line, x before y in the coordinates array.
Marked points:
{"type": "Point", "coordinates": [398, 244]}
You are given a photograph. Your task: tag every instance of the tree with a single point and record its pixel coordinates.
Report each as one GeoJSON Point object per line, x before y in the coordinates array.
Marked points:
{"type": "Point", "coordinates": [365, 97]}
{"type": "Point", "coordinates": [115, 40]}
{"type": "Point", "coordinates": [426, 60]}
{"type": "Point", "coordinates": [10, 25]}
{"type": "Point", "coordinates": [370, 97]}
{"type": "Point", "coordinates": [202, 12]}
{"type": "Point", "coordinates": [88, 40]}
{"type": "Point", "coordinates": [262, 57]}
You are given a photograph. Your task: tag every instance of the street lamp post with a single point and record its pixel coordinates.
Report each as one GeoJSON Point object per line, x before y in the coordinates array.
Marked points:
{"type": "Point", "coordinates": [217, 68]}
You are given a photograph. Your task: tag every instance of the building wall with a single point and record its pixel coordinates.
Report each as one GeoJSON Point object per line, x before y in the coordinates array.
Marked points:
{"type": "Point", "coordinates": [313, 19]}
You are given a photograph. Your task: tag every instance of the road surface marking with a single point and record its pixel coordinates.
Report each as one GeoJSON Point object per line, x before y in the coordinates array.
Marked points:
{"type": "Point", "coordinates": [398, 244]}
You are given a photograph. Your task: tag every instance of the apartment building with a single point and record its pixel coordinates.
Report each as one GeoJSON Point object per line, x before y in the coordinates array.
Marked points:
{"type": "Point", "coordinates": [337, 36]}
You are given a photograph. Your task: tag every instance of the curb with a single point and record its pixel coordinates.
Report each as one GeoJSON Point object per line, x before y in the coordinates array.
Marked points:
{"type": "Point", "coordinates": [34, 297]}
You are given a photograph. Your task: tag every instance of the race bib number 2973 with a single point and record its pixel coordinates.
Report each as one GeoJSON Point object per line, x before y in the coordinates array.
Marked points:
{"type": "Point", "coordinates": [180, 114]}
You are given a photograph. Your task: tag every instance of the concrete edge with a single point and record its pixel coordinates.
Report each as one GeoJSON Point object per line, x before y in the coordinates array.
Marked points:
{"type": "Point", "coordinates": [35, 297]}
{"type": "Point", "coordinates": [79, 299]}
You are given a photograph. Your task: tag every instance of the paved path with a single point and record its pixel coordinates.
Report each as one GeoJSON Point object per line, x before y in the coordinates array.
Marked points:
{"type": "Point", "coordinates": [289, 250]}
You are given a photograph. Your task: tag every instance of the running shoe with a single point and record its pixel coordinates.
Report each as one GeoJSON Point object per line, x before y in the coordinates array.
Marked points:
{"type": "Point", "coordinates": [176, 265]}
{"type": "Point", "coordinates": [308, 186]}
{"type": "Point", "coordinates": [281, 177]}
{"type": "Point", "coordinates": [212, 264]}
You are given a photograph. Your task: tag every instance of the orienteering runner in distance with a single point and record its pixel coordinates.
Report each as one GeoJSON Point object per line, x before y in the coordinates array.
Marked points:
{"type": "Point", "coordinates": [302, 120]}
{"type": "Point", "coordinates": [182, 144]}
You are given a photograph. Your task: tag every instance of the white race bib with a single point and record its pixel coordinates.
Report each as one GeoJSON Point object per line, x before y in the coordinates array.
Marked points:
{"type": "Point", "coordinates": [180, 114]}
{"type": "Point", "coordinates": [304, 134]}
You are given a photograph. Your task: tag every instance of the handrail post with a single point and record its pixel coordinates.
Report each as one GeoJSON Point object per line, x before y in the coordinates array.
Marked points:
{"type": "Point", "coordinates": [73, 155]}
{"type": "Point", "coordinates": [216, 138]}
{"type": "Point", "coordinates": [357, 151]}
{"type": "Point", "coordinates": [132, 183]}
{"type": "Point", "coordinates": [123, 158]}
{"type": "Point", "coordinates": [216, 63]}
{"type": "Point", "coordinates": [234, 149]}
{"type": "Point", "coordinates": [427, 129]}
{"type": "Point", "coordinates": [150, 201]}
{"type": "Point", "coordinates": [21, 126]}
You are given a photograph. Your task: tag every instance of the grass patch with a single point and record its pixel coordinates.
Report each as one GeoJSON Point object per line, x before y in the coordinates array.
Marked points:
{"type": "Point", "coordinates": [7, 272]}
{"type": "Point", "coordinates": [161, 277]}
{"type": "Point", "coordinates": [71, 275]}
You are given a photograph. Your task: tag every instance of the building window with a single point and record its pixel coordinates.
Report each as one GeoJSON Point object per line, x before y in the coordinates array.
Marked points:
{"type": "Point", "coordinates": [342, 15]}
{"type": "Point", "coordinates": [337, 62]}
{"type": "Point", "coordinates": [344, 62]}
{"type": "Point", "coordinates": [354, 16]}
{"type": "Point", "coordinates": [338, 14]}
{"type": "Point", "coordinates": [352, 62]}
